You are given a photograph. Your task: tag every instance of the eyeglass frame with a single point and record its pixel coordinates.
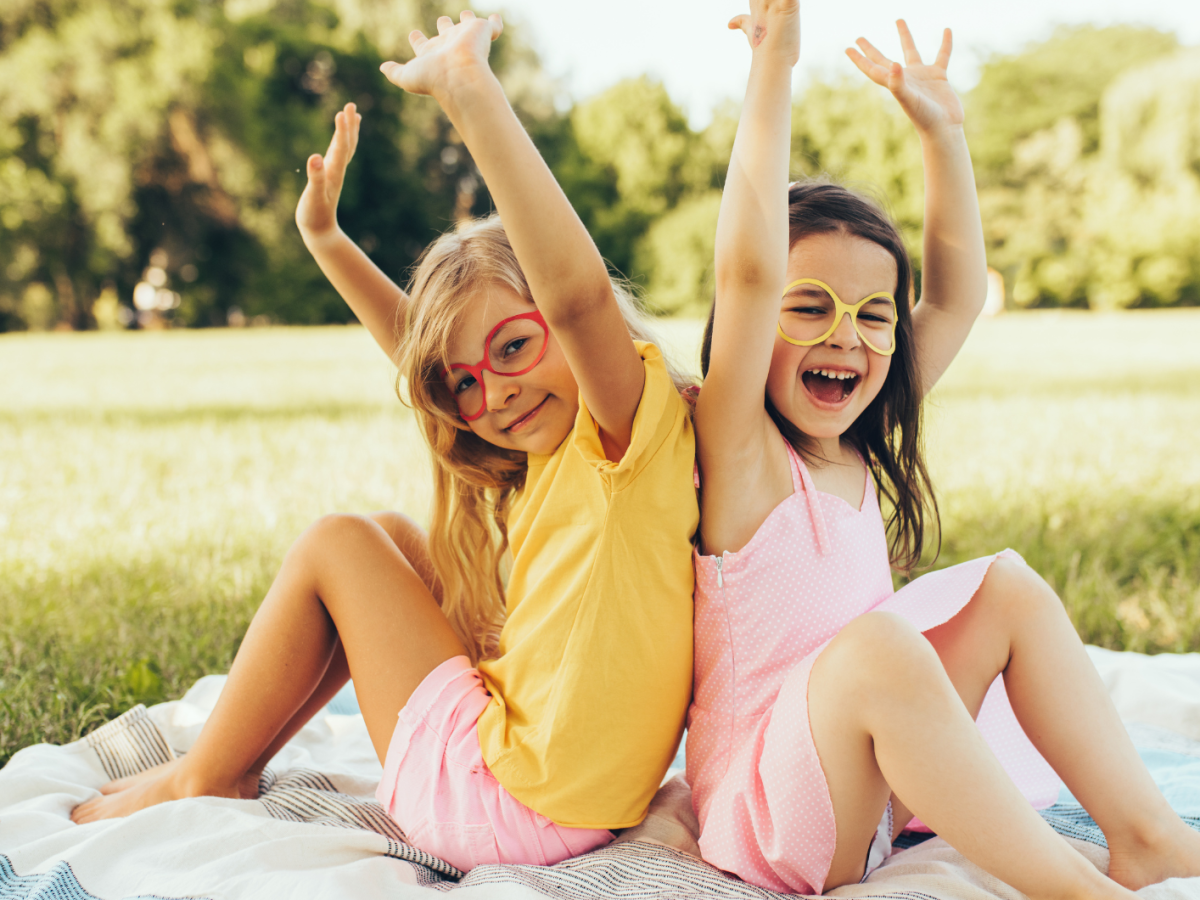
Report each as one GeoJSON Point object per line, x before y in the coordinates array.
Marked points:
{"type": "Point", "coordinates": [841, 310]}
{"type": "Point", "coordinates": [483, 365]}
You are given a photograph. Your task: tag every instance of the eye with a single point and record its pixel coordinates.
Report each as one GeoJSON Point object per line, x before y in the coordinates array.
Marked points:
{"type": "Point", "coordinates": [465, 385]}
{"type": "Point", "coordinates": [515, 346]}
{"type": "Point", "coordinates": [807, 310]}
{"type": "Point", "coordinates": [878, 314]}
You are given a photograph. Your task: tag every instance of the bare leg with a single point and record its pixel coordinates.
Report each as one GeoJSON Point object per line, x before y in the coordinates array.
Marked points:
{"type": "Point", "coordinates": [885, 716]}
{"type": "Point", "coordinates": [343, 578]}
{"type": "Point", "coordinates": [413, 543]}
{"type": "Point", "coordinates": [335, 677]}
{"type": "Point", "coordinates": [1017, 625]}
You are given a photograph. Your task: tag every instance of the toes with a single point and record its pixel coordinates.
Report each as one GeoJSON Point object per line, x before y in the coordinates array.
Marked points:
{"type": "Point", "coordinates": [113, 787]}
{"type": "Point", "coordinates": [83, 812]}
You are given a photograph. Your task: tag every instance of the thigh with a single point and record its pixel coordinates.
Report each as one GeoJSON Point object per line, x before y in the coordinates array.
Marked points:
{"type": "Point", "coordinates": [390, 625]}
{"type": "Point", "coordinates": [843, 677]}
{"type": "Point", "coordinates": [974, 646]}
{"type": "Point", "coordinates": [413, 541]}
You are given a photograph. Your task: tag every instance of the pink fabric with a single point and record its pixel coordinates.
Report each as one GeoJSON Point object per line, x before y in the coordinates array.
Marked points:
{"type": "Point", "coordinates": [441, 793]}
{"type": "Point", "coordinates": [815, 564]}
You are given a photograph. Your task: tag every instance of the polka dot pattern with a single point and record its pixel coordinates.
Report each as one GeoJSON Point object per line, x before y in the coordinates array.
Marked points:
{"type": "Point", "coordinates": [763, 615]}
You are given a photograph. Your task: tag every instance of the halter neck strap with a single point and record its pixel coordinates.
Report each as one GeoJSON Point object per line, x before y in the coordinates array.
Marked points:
{"type": "Point", "coordinates": [802, 481]}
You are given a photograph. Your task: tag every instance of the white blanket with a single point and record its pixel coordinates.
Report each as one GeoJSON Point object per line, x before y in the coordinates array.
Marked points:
{"type": "Point", "coordinates": [317, 833]}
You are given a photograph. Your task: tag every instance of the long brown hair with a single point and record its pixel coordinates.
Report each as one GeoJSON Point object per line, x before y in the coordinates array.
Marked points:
{"type": "Point", "coordinates": [474, 482]}
{"type": "Point", "coordinates": [888, 432]}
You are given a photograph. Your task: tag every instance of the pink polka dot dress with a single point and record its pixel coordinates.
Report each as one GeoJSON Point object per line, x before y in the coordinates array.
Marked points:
{"type": "Point", "coordinates": [763, 615]}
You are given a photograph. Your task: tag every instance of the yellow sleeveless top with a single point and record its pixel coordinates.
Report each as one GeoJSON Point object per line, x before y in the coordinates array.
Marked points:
{"type": "Point", "coordinates": [592, 684]}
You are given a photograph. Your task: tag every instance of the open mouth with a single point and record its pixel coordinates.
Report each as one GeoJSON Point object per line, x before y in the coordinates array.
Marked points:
{"type": "Point", "coordinates": [830, 385]}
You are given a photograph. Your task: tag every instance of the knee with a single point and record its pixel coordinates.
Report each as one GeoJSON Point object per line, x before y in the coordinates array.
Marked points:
{"type": "Point", "coordinates": [400, 528]}
{"type": "Point", "coordinates": [332, 532]}
{"type": "Point", "coordinates": [881, 649]}
{"type": "Point", "coordinates": [1013, 590]}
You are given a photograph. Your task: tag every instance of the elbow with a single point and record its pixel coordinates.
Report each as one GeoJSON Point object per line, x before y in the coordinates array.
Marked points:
{"type": "Point", "coordinates": [578, 301]}
{"type": "Point", "coordinates": [746, 274]}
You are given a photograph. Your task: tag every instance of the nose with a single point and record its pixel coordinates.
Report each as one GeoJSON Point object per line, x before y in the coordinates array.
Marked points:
{"type": "Point", "coordinates": [499, 389]}
{"type": "Point", "coordinates": [845, 336]}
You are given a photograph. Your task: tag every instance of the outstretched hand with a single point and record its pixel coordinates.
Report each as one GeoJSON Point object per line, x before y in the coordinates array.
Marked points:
{"type": "Point", "coordinates": [922, 91]}
{"type": "Point", "coordinates": [455, 50]}
{"type": "Point", "coordinates": [316, 213]}
{"type": "Point", "coordinates": [773, 23]}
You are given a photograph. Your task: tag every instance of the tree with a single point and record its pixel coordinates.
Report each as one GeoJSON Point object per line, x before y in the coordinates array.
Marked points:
{"type": "Point", "coordinates": [1063, 77]}
{"type": "Point", "coordinates": [854, 133]}
{"type": "Point", "coordinates": [650, 158]}
{"type": "Point", "coordinates": [1092, 207]}
{"type": "Point", "coordinates": [83, 89]}
{"type": "Point", "coordinates": [156, 142]}
{"type": "Point", "coordinates": [1145, 188]}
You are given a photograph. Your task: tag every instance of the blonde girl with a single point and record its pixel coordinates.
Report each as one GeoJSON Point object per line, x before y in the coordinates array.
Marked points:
{"type": "Point", "coordinates": [829, 710]}
{"type": "Point", "coordinates": [536, 645]}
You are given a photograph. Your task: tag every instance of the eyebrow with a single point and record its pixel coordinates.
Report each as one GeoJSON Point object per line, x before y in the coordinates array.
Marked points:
{"type": "Point", "coordinates": [807, 290]}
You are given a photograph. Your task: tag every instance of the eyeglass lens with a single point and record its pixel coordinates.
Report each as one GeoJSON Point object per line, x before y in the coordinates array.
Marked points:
{"type": "Point", "coordinates": [515, 347]}
{"type": "Point", "coordinates": [810, 314]}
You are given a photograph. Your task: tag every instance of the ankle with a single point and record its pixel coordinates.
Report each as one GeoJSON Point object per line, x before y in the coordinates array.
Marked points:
{"type": "Point", "coordinates": [195, 781]}
{"type": "Point", "coordinates": [1142, 833]}
{"type": "Point", "coordinates": [1089, 883]}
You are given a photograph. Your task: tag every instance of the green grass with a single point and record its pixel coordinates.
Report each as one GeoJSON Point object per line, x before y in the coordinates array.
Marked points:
{"type": "Point", "coordinates": [150, 484]}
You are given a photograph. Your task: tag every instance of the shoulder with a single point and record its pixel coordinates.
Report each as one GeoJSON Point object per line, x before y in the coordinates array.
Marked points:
{"type": "Point", "coordinates": [662, 420]}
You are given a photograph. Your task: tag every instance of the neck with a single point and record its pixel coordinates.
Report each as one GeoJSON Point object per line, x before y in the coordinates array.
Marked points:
{"type": "Point", "coordinates": [830, 450]}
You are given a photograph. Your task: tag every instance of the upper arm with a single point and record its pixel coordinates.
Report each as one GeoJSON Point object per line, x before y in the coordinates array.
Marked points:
{"type": "Point", "coordinates": [730, 407]}
{"type": "Point", "coordinates": [605, 363]}
{"type": "Point", "coordinates": [376, 300]}
{"type": "Point", "coordinates": [938, 334]}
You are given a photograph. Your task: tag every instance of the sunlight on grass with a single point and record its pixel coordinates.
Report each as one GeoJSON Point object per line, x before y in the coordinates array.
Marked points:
{"type": "Point", "coordinates": [151, 483]}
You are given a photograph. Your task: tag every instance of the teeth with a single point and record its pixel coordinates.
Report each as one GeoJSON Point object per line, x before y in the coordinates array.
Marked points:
{"type": "Point", "coordinates": [837, 375]}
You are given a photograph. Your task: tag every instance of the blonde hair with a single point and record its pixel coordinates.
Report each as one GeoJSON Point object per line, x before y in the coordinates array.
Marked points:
{"type": "Point", "coordinates": [474, 482]}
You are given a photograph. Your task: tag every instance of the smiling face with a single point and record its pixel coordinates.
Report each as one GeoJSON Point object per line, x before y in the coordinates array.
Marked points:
{"type": "Point", "coordinates": [533, 412]}
{"type": "Point", "coordinates": [822, 389]}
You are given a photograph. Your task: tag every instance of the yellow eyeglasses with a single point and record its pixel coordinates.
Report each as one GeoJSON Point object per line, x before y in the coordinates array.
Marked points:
{"type": "Point", "coordinates": [812, 313]}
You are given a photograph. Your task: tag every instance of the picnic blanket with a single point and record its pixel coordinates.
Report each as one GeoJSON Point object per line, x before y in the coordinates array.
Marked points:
{"type": "Point", "coordinates": [317, 832]}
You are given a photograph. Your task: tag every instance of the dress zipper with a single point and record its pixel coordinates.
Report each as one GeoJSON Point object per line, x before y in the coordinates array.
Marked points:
{"type": "Point", "coordinates": [720, 561]}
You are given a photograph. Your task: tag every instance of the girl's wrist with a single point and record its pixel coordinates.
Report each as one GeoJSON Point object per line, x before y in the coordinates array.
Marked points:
{"type": "Point", "coordinates": [318, 240]}
{"type": "Point", "coordinates": [943, 137]}
{"type": "Point", "coordinates": [464, 83]}
{"type": "Point", "coordinates": [774, 58]}
{"type": "Point", "coordinates": [776, 51]}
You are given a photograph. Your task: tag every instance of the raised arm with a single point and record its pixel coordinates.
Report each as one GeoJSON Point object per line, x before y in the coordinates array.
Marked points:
{"type": "Point", "coordinates": [566, 274]}
{"type": "Point", "coordinates": [733, 429]}
{"type": "Point", "coordinates": [376, 300]}
{"type": "Point", "coordinates": [954, 269]}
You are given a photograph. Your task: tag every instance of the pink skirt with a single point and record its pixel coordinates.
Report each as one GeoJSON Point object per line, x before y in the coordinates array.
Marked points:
{"type": "Point", "coordinates": [442, 794]}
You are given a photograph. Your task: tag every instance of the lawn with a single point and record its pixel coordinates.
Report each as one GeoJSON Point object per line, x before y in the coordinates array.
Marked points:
{"type": "Point", "coordinates": [150, 483]}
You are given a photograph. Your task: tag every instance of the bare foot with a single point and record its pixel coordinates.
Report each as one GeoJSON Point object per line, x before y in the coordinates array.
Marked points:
{"type": "Point", "coordinates": [1174, 854]}
{"type": "Point", "coordinates": [170, 784]}
{"type": "Point", "coordinates": [122, 784]}
{"type": "Point", "coordinates": [247, 784]}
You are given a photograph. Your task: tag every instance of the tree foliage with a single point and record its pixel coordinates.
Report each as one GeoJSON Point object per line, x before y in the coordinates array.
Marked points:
{"type": "Point", "coordinates": [158, 146]}
{"type": "Point", "coordinates": [164, 142]}
{"type": "Point", "coordinates": [1093, 202]}
{"type": "Point", "coordinates": [1064, 77]}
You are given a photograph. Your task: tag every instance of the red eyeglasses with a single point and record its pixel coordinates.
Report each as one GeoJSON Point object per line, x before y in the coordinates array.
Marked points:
{"type": "Point", "coordinates": [513, 347]}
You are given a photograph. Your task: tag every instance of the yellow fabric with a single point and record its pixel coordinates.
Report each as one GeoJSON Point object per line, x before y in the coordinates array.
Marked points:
{"type": "Point", "coordinates": [592, 684]}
